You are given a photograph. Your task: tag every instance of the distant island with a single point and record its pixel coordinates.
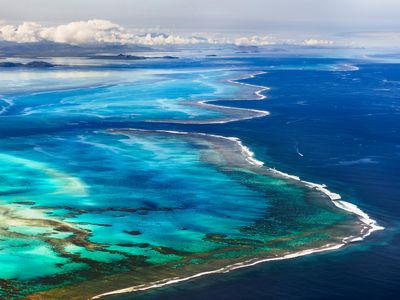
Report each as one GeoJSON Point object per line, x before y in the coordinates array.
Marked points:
{"type": "Point", "coordinates": [131, 57]}
{"type": "Point", "coordinates": [32, 64]}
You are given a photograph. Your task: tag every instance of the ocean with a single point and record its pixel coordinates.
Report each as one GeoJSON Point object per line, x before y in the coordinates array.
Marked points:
{"type": "Point", "coordinates": [337, 128]}
{"type": "Point", "coordinates": [129, 200]}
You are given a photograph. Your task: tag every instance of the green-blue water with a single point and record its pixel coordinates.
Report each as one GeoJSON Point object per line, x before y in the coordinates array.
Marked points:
{"type": "Point", "coordinates": [83, 205]}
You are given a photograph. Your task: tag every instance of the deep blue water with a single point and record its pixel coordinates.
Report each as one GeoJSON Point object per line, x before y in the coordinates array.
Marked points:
{"type": "Point", "coordinates": [347, 127]}
{"type": "Point", "coordinates": [327, 125]}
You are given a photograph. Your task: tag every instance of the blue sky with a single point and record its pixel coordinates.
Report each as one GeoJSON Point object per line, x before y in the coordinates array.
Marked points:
{"type": "Point", "coordinates": [236, 15]}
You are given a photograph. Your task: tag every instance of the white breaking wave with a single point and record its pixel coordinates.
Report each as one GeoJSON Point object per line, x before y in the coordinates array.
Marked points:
{"type": "Point", "coordinates": [370, 224]}
{"type": "Point", "coordinates": [259, 92]}
{"type": "Point", "coordinates": [256, 112]}
{"type": "Point", "coordinates": [249, 263]}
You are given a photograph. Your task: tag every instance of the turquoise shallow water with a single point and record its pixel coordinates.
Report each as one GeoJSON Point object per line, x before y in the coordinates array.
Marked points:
{"type": "Point", "coordinates": [85, 205]}
{"type": "Point", "coordinates": [346, 125]}
{"type": "Point", "coordinates": [129, 194]}
{"type": "Point", "coordinates": [134, 95]}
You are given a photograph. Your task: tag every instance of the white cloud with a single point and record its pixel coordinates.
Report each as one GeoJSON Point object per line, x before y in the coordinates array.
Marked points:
{"type": "Point", "coordinates": [86, 32]}
{"type": "Point", "coordinates": [28, 32]}
{"type": "Point", "coordinates": [103, 31]}
{"type": "Point", "coordinates": [316, 42]}
{"type": "Point", "coordinates": [82, 32]}
{"type": "Point", "coordinates": [245, 41]}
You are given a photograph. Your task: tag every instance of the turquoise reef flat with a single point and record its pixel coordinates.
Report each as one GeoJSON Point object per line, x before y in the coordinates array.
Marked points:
{"type": "Point", "coordinates": [91, 206]}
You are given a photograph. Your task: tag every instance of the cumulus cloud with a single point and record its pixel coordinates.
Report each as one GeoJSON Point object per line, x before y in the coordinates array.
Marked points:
{"type": "Point", "coordinates": [243, 40]}
{"type": "Point", "coordinates": [103, 31]}
{"type": "Point", "coordinates": [28, 32]}
{"type": "Point", "coordinates": [86, 32]}
{"type": "Point", "coordinates": [316, 42]}
{"type": "Point", "coordinates": [91, 31]}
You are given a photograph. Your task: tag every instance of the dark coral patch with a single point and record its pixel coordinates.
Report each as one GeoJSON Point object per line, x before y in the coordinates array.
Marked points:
{"type": "Point", "coordinates": [25, 202]}
{"type": "Point", "coordinates": [133, 232]}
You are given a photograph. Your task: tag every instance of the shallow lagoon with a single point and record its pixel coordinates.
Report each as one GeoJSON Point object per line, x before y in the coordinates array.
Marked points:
{"type": "Point", "coordinates": [125, 207]}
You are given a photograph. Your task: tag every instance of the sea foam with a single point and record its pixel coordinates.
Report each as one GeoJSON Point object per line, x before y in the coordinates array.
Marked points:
{"type": "Point", "coordinates": [370, 225]}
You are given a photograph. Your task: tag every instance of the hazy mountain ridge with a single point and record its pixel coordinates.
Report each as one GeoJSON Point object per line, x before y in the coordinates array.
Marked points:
{"type": "Point", "coordinates": [50, 49]}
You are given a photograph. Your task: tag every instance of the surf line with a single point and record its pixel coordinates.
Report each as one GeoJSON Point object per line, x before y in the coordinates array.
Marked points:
{"type": "Point", "coordinates": [253, 113]}
{"type": "Point", "coordinates": [259, 92]}
{"type": "Point", "coordinates": [370, 225]}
